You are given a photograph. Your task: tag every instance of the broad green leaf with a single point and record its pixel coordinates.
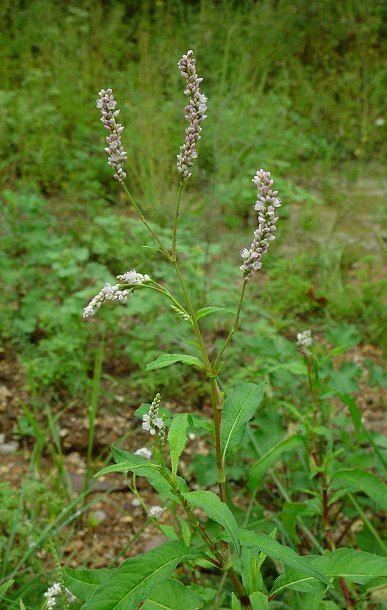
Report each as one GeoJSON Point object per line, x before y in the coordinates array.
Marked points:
{"type": "Point", "coordinates": [258, 470]}
{"type": "Point", "coordinates": [259, 601]}
{"type": "Point", "coordinates": [171, 595]}
{"type": "Point", "coordinates": [216, 510]}
{"type": "Point", "coordinates": [355, 479]}
{"type": "Point", "coordinates": [275, 550]}
{"type": "Point", "coordinates": [328, 605]}
{"type": "Point", "coordinates": [197, 422]}
{"type": "Point", "coordinates": [133, 581]}
{"type": "Point", "coordinates": [239, 407]}
{"type": "Point", "coordinates": [356, 566]}
{"type": "Point", "coordinates": [168, 359]}
{"type": "Point", "coordinates": [207, 311]}
{"type": "Point", "coordinates": [5, 586]}
{"type": "Point", "coordinates": [82, 583]}
{"type": "Point", "coordinates": [177, 439]}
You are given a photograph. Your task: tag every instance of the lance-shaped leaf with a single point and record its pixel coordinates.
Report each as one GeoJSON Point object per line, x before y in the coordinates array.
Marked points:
{"type": "Point", "coordinates": [134, 580]}
{"type": "Point", "coordinates": [152, 474]}
{"type": "Point", "coordinates": [168, 359]}
{"type": "Point", "coordinates": [258, 470]}
{"type": "Point", "coordinates": [216, 510]}
{"type": "Point", "coordinates": [275, 550]}
{"type": "Point", "coordinates": [131, 463]}
{"type": "Point", "coordinates": [239, 407]}
{"type": "Point", "coordinates": [356, 566]}
{"type": "Point", "coordinates": [207, 311]}
{"type": "Point", "coordinates": [355, 479]}
{"type": "Point", "coordinates": [170, 595]}
{"type": "Point", "coordinates": [177, 438]}
{"type": "Point", "coordinates": [297, 581]}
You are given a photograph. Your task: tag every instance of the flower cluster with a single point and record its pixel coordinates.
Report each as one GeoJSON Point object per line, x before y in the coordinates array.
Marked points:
{"type": "Point", "coordinates": [304, 340]}
{"type": "Point", "coordinates": [116, 154]}
{"type": "Point", "coordinates": [133, 278]}
{"type": "Point", "coordinates": [51, 594]}
{"type": "Point", "coordinates": [151, 420]}
{"type": "Point", "coordinates": [267, 202]}
{"type": "Point", "coordinates": [144, 452]}
{"type": "Point", "coordinates": [115, 292]}
{"type": "Point", "coordinates": [108, 293]}
{"type": "Point", "coordinates": [195, 113]}
{"type": "Point", "coordinates": [54, 592]}
{"type": "Point", "coordinates": [156, 511]}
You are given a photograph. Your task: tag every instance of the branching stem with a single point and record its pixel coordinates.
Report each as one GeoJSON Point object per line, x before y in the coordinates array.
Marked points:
{"type": "Point", "coordinates": [234, 327]}
{"type": "Point", "coordinates": [146, 224]}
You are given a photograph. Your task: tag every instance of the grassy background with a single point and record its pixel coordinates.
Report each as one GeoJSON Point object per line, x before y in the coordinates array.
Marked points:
{"type": "Point", "coordinates": [295, 87]}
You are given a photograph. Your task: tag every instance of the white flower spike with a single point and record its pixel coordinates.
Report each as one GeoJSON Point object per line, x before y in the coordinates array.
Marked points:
{"type": "Point", "coordinates": [266, 205]}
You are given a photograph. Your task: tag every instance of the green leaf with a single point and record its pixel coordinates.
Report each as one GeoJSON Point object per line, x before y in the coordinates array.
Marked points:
{"type": "Point", "coordinates": [239, 407]}
{"type": "Point", "coordinates": [153, 476]}
{"type": "Point", "coordinates": [205, 593]}
{"type": "Point", "coordinates": [216, 510]}
{"type": "Point", "coordinates": [356, 566]}
{"type": "Point", "coordinates": [259, 601]}
{"type": "Point", "coordinates": [5, 586]}
{"type": "Point", "coordinates": [133, 581]}
{"type": "Point", "coordinates": [250, 569]}
{"type": "Point", "coordinates": [298, 581]}
{"type": "Point", "coordinates": [235, 603]}
{"type": "Point", "coordinates": [132, 463]}
{"type": "Point", "coordinates": [275, 550]}
{"type": "Point", "coordinates": [207, 311]}
{"type": "Point", "coordinates": [177, 439]}
{"type": "Point", "coordinates": [171, 595]}
{"type": "Point", "coordinates": [356, 479]}
{"type": "Point", "coordinates": [82, 583]}
{"type": "Point", "coordinates": [168, 359]}
{"type": "Point", "coordinates": [258, 470]}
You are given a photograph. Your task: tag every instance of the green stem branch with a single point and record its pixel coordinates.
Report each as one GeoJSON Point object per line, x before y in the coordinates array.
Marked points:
{"type": "Point", "coordinates": [234, 328]}
{"type": "Point", "coordinates": [146, 224]}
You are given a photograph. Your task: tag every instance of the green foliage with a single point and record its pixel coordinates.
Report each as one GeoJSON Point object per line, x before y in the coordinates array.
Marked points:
{"type": "Point", "coordinates": [130, 583]}
{"type": "Point", "coordinates": [239, 407]}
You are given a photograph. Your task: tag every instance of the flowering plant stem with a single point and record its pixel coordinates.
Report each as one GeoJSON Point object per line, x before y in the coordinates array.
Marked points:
{"type": "Point", "coordinates": [216, 395]}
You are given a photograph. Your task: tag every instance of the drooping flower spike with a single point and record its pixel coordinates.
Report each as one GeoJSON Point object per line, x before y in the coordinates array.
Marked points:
{"type": "Point", "coordinates": [116, 292]}
{"type": "Point", "coordinates": [116, 154]}
{"type": "Point", "coordinates": [195, 113]}
{"type": "Point", "coordinates": [267, 202]}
